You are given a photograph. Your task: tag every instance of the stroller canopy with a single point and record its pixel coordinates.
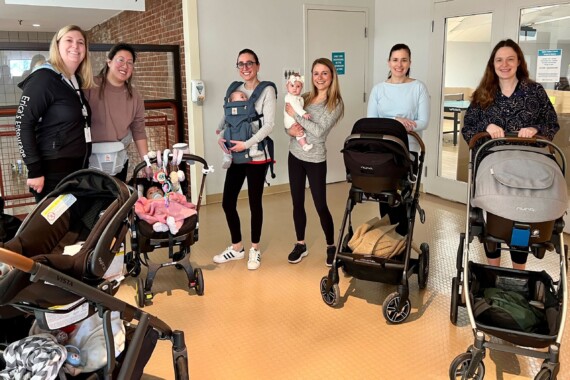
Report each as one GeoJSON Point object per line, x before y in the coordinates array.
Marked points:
{"type": "Point", "coordinates": [522, 185]}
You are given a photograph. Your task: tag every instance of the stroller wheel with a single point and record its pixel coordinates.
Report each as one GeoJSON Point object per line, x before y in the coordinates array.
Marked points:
{"type": "Point", "coordinates": [454, 300]}
{"type": "Point", "coordinates": [460, 365]}
{"type": "Point", "coordinates": [543, 374]}
{"type": "Point", "coordinates": [332, 296]}
{"type": "Point", "coordinates": [392, 311]}
{"type": "Point", "coordinates": [199, 281]}
{"type": "Point", "coordinates": [423, 267]}
{"type": "Point", "coordinates": [140, 298]}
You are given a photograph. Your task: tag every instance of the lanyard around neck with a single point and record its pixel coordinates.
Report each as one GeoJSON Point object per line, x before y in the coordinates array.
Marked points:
{"type": "Point", "coordinates": [75, 85]}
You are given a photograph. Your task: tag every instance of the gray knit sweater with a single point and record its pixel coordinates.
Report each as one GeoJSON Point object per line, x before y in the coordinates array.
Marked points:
{"type": "Point", "coordinates": [317, 129]}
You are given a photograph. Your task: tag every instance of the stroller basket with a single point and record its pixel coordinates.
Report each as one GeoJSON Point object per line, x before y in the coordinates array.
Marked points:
{"type": "Point", "coordinates": [536, 287]}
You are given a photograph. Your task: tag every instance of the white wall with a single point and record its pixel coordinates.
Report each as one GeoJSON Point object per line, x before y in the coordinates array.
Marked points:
{"type": "Point", "coordinates": [403, 21]}
{"type": "Point", "coordinates": [275, 31]}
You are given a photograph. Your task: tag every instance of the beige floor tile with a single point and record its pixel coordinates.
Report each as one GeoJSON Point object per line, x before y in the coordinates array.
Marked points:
{"type": "Point", "coordinates": [272, 323]}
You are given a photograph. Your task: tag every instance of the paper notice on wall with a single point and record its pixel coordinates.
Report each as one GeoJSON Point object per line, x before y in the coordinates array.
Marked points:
{"type": "Point", "coordinates": [548, 65]}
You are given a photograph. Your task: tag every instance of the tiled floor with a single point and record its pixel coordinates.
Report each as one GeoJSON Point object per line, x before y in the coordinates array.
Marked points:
{"type": "Point", "coordinates": [272, 323]}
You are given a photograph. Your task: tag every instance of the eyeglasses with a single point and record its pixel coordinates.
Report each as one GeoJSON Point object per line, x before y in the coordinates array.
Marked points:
{"type": "Point", "coordinates": [248, 64]}
{"type": "Point", "coordinates": [121, 61]}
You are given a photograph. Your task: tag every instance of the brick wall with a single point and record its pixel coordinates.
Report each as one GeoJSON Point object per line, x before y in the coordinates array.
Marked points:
{"type": "Point", "coordinates": [160, 24]}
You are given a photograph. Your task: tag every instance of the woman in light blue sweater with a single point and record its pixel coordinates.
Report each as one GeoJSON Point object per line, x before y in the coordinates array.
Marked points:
{"type": "Point", "coordinates": [406, 100]}
{"type": "Point", "coordinates": [401, 97]}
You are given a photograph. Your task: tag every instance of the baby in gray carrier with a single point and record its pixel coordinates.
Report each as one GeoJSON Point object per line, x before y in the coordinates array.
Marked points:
{"type": "Point", "coordinates": [235, 97]}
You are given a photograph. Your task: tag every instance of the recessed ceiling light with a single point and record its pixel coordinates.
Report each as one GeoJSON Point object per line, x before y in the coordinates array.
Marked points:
{"type": "Point", "coordinates": [36, 25]}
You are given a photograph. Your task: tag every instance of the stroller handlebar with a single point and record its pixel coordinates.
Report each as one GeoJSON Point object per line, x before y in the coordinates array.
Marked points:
{"type": "Point", "coordinates": [23, 263]}
{"type": "Point", "coordinates": [509, 136]}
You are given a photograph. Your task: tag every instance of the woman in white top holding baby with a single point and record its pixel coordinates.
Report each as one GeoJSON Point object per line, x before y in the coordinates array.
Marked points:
{"type": "Point", "coordinates": [294, 86]}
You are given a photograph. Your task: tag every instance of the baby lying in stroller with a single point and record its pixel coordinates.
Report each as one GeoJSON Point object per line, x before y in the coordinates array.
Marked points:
{"type": "Point", "coordinates": [164, 212]}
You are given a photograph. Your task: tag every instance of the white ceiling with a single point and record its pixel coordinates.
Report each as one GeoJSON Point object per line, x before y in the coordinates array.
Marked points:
{"type": "Point", "coordinates": [50, 18]}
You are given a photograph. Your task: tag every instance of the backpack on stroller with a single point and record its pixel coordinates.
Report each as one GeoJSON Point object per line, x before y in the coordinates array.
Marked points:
{"type": "Point", "coordinates": [380, 169]}
{"type": "Point", "coordinates": [146, 238]}
{"type": "Point", "coordinates": [517, 198]}
{"type": "Point", "coordinates": [61, 289]}
{"type": "Point", "coordinates": [242, 121]}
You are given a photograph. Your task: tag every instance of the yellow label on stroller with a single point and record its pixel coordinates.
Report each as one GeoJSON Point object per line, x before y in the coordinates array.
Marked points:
{"type": "Point", "coordinates": [58, 207]}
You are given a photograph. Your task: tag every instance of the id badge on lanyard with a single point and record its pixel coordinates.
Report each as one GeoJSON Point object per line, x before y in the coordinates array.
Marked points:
{"type": "Point", "coordinates": [86, 129]}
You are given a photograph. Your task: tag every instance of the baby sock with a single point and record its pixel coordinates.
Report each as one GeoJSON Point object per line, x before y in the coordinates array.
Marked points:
{"type": "Point", "coordinates": [172, 225]}
{"type": "Point", "coordinates": [159, 227]}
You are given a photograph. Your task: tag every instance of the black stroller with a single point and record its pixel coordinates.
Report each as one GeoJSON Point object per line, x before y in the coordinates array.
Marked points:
{"type": "Point", "coordinates": [519, 183]}
{"type": "Point", "coordinates": [145, 239]}
{"type": "Point", "coordinates": [60, 289]}
{"type": "Point", "coordinates": [380, 169]}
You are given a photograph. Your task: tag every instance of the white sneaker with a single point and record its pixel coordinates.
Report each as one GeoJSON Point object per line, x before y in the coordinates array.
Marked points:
{"type": "Point", "coordinates": [228, 255]}
{"type": "Point", "coordinates": [254, 259]}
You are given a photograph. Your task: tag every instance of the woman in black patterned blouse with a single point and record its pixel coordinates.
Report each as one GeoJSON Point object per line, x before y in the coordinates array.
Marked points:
{"type": "Point", "coordinates": [507, 100]}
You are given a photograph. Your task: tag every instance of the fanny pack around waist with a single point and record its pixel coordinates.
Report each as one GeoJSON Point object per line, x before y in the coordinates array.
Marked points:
{"type": "Point", "coordinates": [109, 157]}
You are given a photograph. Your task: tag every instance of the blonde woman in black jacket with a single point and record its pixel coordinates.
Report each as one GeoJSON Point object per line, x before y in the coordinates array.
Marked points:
{"type": "Point", "coordinates": [53, 117]}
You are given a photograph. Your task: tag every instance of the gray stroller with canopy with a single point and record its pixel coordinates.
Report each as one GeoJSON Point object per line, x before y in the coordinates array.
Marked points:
{"type": "Point", "coordinates": [516, 200]}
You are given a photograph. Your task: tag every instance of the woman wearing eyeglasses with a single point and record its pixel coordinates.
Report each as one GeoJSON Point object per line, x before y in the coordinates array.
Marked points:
{"type": "Point", "coordinates": [53, 118]}
{"type": "Point", "coordinates": [118, 113]}
{"type": "Point", "coordinates": [248, 67]}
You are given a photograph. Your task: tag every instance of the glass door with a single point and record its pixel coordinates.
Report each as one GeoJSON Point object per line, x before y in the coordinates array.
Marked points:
{"type": "Point", "coordinates": [462, 39]}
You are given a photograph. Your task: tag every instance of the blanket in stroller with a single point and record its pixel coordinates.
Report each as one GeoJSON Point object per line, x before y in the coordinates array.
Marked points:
{"type": "Point", "coordinates": [165, 213]}
{"type": "Point", "coordinates": [377, 237]}
{"type": "Point", "coordinates": [525, 185]}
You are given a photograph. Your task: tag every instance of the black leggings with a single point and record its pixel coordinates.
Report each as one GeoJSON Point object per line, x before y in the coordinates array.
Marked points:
{"type": "Point", "coordinates": [235, 176]}
{"type": "Point", "coordinates": [317, 174]}
{"type": "Point", "coordinates": [516, 257]}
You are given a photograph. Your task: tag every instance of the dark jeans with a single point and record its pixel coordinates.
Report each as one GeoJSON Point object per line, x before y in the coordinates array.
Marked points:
{"type": "Point", "coordinates": [299, 171]}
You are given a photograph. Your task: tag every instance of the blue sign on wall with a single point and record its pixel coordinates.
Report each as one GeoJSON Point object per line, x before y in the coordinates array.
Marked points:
{"type": "Point", "coordinates": [338, 61]}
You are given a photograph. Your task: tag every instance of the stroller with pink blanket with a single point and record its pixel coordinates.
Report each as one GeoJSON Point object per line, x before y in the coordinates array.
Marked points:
{"type": "Point", "coordinates": [167, 222]}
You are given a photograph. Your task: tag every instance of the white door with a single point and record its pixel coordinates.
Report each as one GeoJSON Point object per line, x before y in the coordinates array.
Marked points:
{"type": "Point", "coordinates": [463, 37]}
{"type": "Point", "coordinates": [340, 32]}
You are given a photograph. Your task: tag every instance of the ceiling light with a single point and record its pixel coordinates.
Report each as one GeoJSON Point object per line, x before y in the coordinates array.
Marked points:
{"type": "Point", "coordinates": [36, 25]}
